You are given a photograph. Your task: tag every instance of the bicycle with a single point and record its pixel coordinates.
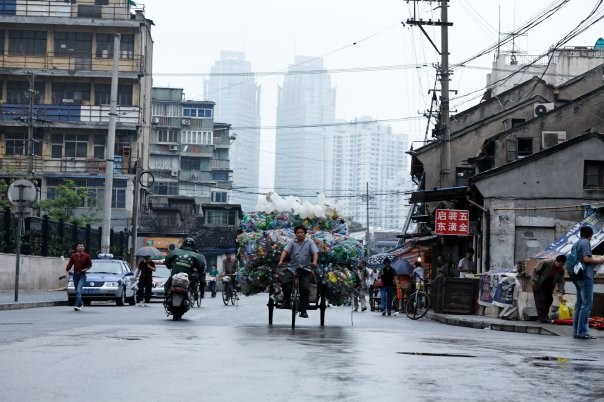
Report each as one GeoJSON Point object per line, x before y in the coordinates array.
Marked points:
{"type": "Point", "coordinates": [419, 302]}
{"type": "Point", "coordinates": [229, 292]}
{"type": "Point", "coordinates": [196, 295]}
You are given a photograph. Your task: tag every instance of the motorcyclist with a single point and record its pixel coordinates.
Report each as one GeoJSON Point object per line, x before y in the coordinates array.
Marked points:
{"type": "Point", "coordinates": [188, 260]}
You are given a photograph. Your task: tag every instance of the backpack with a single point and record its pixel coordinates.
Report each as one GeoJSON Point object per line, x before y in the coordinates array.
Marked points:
{"type": "Point", "coordinates": [572, 260]}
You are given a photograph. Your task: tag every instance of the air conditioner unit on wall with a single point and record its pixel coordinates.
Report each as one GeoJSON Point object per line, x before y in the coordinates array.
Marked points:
{"type": "Point", "coordinates": [551, 138]}
{"type": "Point", "coordinates": [154, 120]}
{"type": "Point", "coordinates": [174, 173]}
{"type": "Point", "coordinates": [540, 109]}
{"type": "Point", "coordinates": [185, 122]}
{"type": "Point", "coordinates": [173, 148]}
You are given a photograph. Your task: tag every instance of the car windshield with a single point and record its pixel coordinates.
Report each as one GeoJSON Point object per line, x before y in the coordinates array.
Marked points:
{"type": "Point", "coordinates": [106, 267]}
{"type": "Point", "coordinates": [161, 272]}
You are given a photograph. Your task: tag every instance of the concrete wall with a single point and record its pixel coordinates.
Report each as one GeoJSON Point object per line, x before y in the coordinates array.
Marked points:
{"type": "Point", "coordinates": [35, 273]}
{"type": "Point", "coordinates": [526, 197]}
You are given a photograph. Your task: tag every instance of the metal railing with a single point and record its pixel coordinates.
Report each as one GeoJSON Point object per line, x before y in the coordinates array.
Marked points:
{"type": "Point", "coordinates": [71, 61]}
{"type": "Point", "coordinates": [115, 10]}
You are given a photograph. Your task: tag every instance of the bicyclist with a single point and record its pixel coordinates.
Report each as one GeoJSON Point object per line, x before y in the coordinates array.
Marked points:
{"type": "Point", "coordinates": [186, 259]}
{"type": "Point", "coordinates": [229, 267]}
{"type": "Point", "coordinates": [303, 254]}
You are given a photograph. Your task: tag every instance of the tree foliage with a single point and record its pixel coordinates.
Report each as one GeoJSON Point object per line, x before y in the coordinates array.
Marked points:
{"type": "Point", "coordinates": [68, 198]}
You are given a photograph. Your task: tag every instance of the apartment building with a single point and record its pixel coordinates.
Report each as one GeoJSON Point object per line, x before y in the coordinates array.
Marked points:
{"type": "Point", "coordinates": [55, 84]}
{"type": "Point", "coordinates": [188, 151]}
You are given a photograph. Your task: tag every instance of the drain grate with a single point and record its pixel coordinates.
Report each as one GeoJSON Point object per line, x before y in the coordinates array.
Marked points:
{"type": "Point", "coordinates": [435, 354]}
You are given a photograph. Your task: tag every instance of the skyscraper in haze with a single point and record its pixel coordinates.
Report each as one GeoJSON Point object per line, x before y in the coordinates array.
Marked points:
{"type": "Point", "coordinates": [368, 156]}
{"type": "Point", "coordinates": [237, 99]}
{"type": "Point", "coordinates": [303, 141]}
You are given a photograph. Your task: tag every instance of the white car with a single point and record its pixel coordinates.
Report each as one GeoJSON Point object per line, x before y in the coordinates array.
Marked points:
{"type": "Point", "coordinates": [108, 279]}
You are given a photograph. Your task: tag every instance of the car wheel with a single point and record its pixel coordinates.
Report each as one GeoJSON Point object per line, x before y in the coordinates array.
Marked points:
{"type": "Point", "coordinates": [122, 299]}
{"type": "Point", "coordinates": [132, 300]}
{"type": "Point", "coordinates": [87, 302]}
{"type": "Point", "coordinates": [71, 301]}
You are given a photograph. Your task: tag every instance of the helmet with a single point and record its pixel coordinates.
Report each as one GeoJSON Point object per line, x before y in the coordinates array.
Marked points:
{"type": "Point", "coordinates": [188, 242]}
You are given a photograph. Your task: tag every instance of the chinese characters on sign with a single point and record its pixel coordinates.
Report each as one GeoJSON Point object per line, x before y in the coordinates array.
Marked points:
{"type": "Point", "coordinates": [452, 222]}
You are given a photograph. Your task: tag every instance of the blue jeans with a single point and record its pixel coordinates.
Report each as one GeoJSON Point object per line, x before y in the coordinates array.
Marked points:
{"type": "Point", "coordinates": [386, 295]}
{"type": "Point", "coordinates": [79, 279]}
{"type": "Point", "coordinates": [585, 296]}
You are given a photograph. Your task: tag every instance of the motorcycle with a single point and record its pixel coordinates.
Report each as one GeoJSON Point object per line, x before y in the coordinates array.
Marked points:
{"type": "Point", "coordinates": [179, 300]}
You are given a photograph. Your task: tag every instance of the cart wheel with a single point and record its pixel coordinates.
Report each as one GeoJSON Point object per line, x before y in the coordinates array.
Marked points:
{"type": "Point", "coordinates": [271, 306]}
{"type": "Point", "coordinates": [322, 307]}
{"type": "Point", "coordinates": [294, 303]}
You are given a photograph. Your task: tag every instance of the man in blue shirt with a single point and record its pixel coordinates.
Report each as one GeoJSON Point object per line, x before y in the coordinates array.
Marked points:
{"type": "Point", "coordinates": [304, 256]}
{"type": "Point", "coordinates": [584, 285]}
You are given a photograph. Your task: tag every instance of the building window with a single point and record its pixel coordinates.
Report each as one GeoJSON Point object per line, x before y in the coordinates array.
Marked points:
{"type": "Point", "coordinates": [99, 146]}
{"type": "Point", "coordinates": [197, 111]}
{"type": "Point", "coordinates": [1, 41]}
{"type": "Point", "coordinates": [118, 198]}
{"type": "Point", "coordinates": [517, 122]}
{"type": "Point", "coordinates": [73, 43]}
{"type": "Point", "coordinates": [164, 188]}
{"type": "Point", "coordinates": [104, 46]}
{"type": "Point", "coordinates": [101, 2]}
{"type": "Point", "coordinates": [219, 175]}
{"type": "Point", "coordinates": [17, 92]}
{"type": "Point", "coordinates": [102, 94]}
{"type": "Point", "coordinates": [196, 137]}
{"type": "Point", "coordinates": [69, 146]}
{"type": "Point", "coordinates": [190, 164]}
{"type": "Point", "coordinates": [216, 217]}
{"type": "Point", "coordinates": [15, 144]}
{"type": "Point", "coordinates": [71, 93]}
{"type": "Point", "coordinates": [219, 197]}
{"type": "Point", "coordinates": [593, 175]}
{"type": "Point", "coordinates": [165, 110]}
{"type": "Point", "coordinates": [167, 136]}
{"type": "Point", "coordinates": [27, 43]}
{"type": "Point", "coordinates": [525, 147]}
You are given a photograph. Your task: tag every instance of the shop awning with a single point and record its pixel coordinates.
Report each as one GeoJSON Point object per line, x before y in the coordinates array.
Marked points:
{"type": "Point", "coordinates": [411, 249]}
{"type": "Point", "coordinates": [564, 243]}
{"type": "Point", "coordinates": [439, 194]}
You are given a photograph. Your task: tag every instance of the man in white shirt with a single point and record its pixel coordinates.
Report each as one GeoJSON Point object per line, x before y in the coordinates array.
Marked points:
{"type": "Point", "coordinates": [466, 265]}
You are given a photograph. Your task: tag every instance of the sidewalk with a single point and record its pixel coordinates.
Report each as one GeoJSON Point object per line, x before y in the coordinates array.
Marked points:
{"type": "Point", "coordinates": [30, 299]}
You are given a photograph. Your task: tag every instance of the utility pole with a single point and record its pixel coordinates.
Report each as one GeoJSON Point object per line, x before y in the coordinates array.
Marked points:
{"type": "Point", "coordinates": [444, 133]}
{"type": "Point", "coordinates": [31, 93]}
{"type": "Point", "coordinates": [137, 190]}
{"type": "Point", "coordinates": [106, 230]}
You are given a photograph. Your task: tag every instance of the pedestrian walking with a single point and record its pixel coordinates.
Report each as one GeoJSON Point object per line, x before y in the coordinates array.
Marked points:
{"type": "Point", "coordinates": [144, 274]}
{"type": "Point", "coordinates": [213, 275]}
{"type": "Point", "coordinates": [360, 288]}
{"type": "Point", "coordinates": [81, 263]}
{"type": "Point", "coordinates": [387, 291]}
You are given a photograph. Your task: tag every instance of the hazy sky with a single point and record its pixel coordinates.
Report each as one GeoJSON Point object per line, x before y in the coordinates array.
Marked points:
{"type": "Point", "coordinates": [391, 62]}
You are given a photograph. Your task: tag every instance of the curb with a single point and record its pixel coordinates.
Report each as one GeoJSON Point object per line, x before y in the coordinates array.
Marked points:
{"type": "Point", "coordinates": [22, 305]}
{"type": "Point", "coordinates": [524, 329]}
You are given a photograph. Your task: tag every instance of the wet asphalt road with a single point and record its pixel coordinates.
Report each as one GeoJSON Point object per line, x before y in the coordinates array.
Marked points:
{"type": "Point", "coordinates": [218, 353]}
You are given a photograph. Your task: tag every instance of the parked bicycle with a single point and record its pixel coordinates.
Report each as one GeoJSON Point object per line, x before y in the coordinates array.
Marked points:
{"type": "Point", "coordinates": [419, 302]}
{"type": "Point", "coordinates": [229, 291]}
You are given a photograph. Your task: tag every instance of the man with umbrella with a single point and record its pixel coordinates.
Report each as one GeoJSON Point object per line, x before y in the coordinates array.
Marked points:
{"type": "Point", "coordinates": [403, 274]}
{"type": "Point", "coordinates": [144, 273]}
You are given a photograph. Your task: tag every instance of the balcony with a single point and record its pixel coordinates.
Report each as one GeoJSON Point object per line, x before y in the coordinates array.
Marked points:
{"type": "Point", "coordinates": [195, 176]}
{"type": "Point", "coordinates": [81, 63]}
{"type": "Point", "coordinates": [53, 8]}
{"type": "Point", "coordinates": [46, 165]}
{"type": "Point", "coordinates": [220, 164]}
{"type": "Point", "coordinates": [197, 150]}
{"type": "Point", "coordinates": [71, 113]}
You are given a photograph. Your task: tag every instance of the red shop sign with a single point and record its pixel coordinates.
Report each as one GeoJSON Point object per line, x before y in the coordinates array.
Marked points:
{"type": "Point", "coordinates": [452, 222]}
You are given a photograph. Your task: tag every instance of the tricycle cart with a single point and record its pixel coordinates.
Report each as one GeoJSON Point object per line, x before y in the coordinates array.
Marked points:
{"type": "Point", "coordinates": [317, 300]}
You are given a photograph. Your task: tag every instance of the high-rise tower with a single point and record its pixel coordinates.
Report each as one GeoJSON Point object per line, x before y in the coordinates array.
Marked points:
{"type": "Point", "coordinates": [237, 99]}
